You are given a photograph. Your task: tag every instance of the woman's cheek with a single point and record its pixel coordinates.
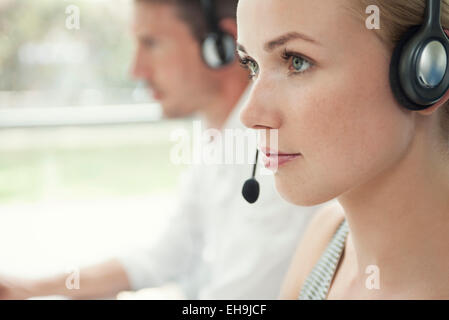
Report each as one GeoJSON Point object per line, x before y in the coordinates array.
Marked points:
{"type": "Point", "coordinates": [364, 138]}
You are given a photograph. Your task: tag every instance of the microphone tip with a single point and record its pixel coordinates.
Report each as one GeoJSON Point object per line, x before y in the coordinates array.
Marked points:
{"type": "Point", "coordinates": [251, 190]}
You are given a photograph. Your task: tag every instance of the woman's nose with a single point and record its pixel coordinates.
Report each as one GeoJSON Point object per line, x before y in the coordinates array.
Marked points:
{"type": "Point", "coordinates": [260, 112]}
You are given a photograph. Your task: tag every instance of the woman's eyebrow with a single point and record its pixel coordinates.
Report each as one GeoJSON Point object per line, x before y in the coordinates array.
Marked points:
{"type": "Point", "coordinates": [241, 48]}
{"type": "Point", "coordinates": [283, 39]}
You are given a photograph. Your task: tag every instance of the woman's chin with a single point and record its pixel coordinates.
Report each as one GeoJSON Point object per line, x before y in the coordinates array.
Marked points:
{"type": "Point", "coordinates": [299, 195]}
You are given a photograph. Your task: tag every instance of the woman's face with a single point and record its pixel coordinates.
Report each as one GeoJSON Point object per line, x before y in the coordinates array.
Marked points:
{"type": "Point", "coordinates": [321, 79]}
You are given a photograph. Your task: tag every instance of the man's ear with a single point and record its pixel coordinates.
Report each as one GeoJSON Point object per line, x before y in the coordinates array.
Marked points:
{"type": "Point", "coordinates": [229, 26]}
{"type": "Point", "coordinates": [443, 100]}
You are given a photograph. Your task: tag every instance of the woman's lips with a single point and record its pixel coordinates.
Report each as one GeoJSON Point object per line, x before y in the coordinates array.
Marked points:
{"type": "Point", "coordinates": [273, 159]}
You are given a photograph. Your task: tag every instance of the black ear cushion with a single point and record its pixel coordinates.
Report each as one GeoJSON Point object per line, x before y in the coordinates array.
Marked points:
{"type": "Point", "coordinates": [395, 83]}
{"type": "Point", "coordinates": [229, 48]}
{"type": "Point", "coordinates": [218, 50]}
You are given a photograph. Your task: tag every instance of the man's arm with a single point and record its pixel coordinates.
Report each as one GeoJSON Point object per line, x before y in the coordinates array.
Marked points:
{"type": "Point", "coordinates": [97, 281]}
{"type": "Point", "coordinates": [177, 253]}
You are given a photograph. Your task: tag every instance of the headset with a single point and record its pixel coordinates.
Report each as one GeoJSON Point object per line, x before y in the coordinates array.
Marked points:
{"type": "Point", "coordinates": [419, 74]}
{"type": "Point", "coordinates": [218, 48]}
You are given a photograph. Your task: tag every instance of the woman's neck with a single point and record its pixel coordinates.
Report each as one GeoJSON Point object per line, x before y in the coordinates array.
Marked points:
{"type": "Point", "coordinates": [399, 221]}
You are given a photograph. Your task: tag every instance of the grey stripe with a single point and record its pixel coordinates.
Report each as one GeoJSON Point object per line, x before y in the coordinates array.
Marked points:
{"type": "Point", "coordinates": [316, 286]}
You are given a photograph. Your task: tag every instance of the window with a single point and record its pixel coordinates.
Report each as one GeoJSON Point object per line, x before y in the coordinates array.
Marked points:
{"type": "Point", "coordinates": [84, 153]}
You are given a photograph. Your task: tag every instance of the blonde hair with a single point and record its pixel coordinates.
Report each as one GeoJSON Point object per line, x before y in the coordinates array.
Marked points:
{"type": "Point", "coordinates": [396, 16]}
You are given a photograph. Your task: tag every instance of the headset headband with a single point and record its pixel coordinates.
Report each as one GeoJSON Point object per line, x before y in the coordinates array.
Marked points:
{"type": "Point", "coordinates": [433, 14]}
{"type": "Point", "coordinates": [211, 15]}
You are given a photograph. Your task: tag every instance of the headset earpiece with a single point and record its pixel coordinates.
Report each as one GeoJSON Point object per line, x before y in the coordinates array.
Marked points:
{"type": "Point", "coordinates": [218, 48]}
{"type": "Point", "coordinates": [419, 74]}
{"type": "Point", "coordinates": [399, 94]}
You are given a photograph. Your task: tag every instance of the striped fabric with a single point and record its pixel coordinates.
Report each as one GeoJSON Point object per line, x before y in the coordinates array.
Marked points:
{"type": "Point", "coordinates": [317, 284]}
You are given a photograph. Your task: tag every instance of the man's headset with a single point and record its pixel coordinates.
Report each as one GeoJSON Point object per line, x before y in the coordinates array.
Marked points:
{"type": "Point", "coordinates": [218, 48]}
{"type": "Point", "coordinates": [419, 75]}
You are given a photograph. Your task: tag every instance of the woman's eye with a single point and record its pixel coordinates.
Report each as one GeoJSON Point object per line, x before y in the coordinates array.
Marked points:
{"type": "Point", "coordinates": [251, 65]}
{"type": "Point", "coordinates": [253, 68]}
{"type": "Point", "coordinates": [299, 64]}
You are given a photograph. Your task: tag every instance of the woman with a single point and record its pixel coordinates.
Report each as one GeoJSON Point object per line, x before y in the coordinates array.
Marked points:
{"type": "Point", "coordinates": [321, 78]}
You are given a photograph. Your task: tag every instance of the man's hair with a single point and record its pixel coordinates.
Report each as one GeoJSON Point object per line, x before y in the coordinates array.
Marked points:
{"type": "Point", "coordinates": [193, 14]}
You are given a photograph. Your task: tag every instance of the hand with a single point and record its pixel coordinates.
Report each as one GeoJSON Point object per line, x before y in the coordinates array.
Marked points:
{"type": "Point", "coordinates": [15, 289]}
{"type": "Point", "coordinates": [170, 291]}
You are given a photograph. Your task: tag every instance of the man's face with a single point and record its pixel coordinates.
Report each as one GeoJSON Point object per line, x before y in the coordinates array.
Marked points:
{"type": "Point", "coordinates": [169, 59]}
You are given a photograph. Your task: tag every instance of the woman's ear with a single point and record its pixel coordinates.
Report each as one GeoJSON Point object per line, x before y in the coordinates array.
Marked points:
{"type": "Point", "coordinates": [443, 100]}
{"type": "Point", "coordinates": [435, 107]}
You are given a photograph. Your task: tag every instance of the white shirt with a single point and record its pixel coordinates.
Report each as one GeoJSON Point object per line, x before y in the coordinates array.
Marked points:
{"type": "Point", "coordinates": [218, 246]}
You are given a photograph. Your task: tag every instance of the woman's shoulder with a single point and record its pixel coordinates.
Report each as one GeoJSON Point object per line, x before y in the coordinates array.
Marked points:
{"type": "Point", "coordinates": [315, 240]}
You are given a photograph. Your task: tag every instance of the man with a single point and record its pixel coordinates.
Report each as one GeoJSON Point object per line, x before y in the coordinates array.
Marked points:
{"type": "Point", "coordinates": [217, 246]}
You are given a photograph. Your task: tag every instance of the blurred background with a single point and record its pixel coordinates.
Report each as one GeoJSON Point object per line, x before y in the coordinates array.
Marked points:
{"type": "Point", "coordinates": [84, 153]}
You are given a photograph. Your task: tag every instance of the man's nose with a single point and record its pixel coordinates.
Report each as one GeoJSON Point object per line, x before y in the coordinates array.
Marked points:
{"type": "Point", "coordinates": [140, 68]}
